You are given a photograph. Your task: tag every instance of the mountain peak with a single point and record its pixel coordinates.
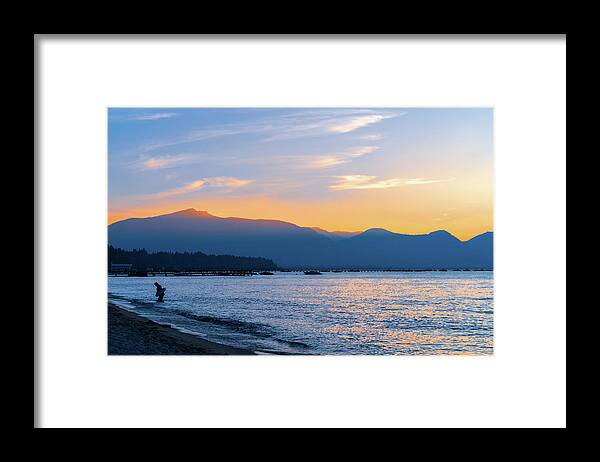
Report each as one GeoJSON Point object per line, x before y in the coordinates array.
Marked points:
{"type": "Point", "coordinates": [193, 213]}
{"type": "Point", "coordinates": [442, 233]}
{"type": "Point", "coordinates": [377, 231]}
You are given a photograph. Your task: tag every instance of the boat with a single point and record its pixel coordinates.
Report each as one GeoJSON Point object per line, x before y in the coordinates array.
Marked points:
{"type": "Point", "coordinates": [266, 273]}
{"type": "Point", "coordinates": [312, 272]}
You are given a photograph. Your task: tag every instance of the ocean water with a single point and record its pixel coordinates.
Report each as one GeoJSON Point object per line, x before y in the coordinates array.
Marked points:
{"type": "Point", "coordinates": [369, 313]}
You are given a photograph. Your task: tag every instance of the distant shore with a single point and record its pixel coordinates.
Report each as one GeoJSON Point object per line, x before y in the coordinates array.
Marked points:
{"type": "Point", "coordinates": [257, 272]}
{"type": "Point", "coordinates": [131, 334]}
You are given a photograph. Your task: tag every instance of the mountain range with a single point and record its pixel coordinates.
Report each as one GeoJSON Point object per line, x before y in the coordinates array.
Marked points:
{"type": "Point", "coordinates": [293, 246]}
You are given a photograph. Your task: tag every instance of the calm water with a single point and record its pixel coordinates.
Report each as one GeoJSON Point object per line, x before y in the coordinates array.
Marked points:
{"type": "Point", "coordinates": [333, 313]}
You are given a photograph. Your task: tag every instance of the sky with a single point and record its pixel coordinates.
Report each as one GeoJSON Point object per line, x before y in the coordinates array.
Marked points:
{"type": "Point", "coordinates": [407, 170]}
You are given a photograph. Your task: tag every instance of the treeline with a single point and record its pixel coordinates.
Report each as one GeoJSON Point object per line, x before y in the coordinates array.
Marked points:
{"type": "Point", "coordinates": [141, 260]}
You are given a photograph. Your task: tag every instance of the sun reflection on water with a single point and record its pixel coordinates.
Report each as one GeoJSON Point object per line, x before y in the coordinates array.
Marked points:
{"type": "Point", "coordinates": [341, 313]}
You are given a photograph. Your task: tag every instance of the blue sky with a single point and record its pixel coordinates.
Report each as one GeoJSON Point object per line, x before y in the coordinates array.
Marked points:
{"type": "Point", "coordinates": [341, 168]}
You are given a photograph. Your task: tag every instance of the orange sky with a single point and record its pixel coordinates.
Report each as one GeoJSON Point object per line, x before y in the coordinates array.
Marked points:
{"type": "Point", "coordinates": [409, 171]}
{"type": "Point", "coordinates": [462, 208]}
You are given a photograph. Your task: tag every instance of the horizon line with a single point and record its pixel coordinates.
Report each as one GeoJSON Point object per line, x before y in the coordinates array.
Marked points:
{"type": "Point", "coordinates": [307, 227]}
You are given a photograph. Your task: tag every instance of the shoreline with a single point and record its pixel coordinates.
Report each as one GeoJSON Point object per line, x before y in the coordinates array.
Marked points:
{"type": "Point", "coordinates": [132, 334]}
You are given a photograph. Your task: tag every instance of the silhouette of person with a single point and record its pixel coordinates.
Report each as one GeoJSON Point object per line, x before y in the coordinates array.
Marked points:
{"type": "Point", "coordinates": [160, 291]}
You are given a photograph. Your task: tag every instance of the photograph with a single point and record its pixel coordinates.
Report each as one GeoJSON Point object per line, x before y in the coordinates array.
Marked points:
{"type": "Point", "coordinates": [300, 231]}
{"type": "Point", "coordinates": [358, 231]}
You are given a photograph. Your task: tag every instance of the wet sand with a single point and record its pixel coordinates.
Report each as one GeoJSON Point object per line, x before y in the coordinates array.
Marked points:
{"type": "Point", "coordinates": [131, 334]}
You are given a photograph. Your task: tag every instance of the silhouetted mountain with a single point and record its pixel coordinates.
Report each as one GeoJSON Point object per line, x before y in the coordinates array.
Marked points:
{"type": "Point", "coordinates": [335, 234]}
{"type": "Point", "coordinates": [381, 248]}
{"type": "Point", "coordinates": [190, 230]}
{"type": "Point", "coordinates": [289, 245]}
{"type": "Point", "coordinates": [480, 250]}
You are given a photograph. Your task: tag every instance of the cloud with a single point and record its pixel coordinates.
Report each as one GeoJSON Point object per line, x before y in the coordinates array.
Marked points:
{"type": "Point", "coordinates": [331, 160]}
{"type": "Point", "coordinates": [227, 181]}
{"type": "Point", "coordinates": [155, 116]}
{"type": "Point", "coordinates": [167, 161]}
{"type": "Point", "coordinates": [370, 182]}
{"type": "Point", "coordinates": [361, 151]}
{"type": "Point", "coordinates": [155, 163]}
{"type": "Point", "coordinates": [427, 180]}
{"type": "Point", "coordinates": [216, 182]}
{"type": "Point", "coordinates": [315, 123]}
{"type": "Point", "coordinates": [372, 137]}
{"type": "Point", "coordinates": [185, 189]}
{"type": "Point", "coordinates": [326, 161]}
{"type": "Point", "coordinates": [195, 136]}
{"type": "Point", "coordinates": [355, 123]}
{"type": "Point", "coordinates": [295, 125]}
{"type": "Point", "coordinates": [364, 182]}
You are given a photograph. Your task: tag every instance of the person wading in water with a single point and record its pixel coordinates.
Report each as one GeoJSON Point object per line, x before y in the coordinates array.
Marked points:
{"type": "Point", "coordinates": [160, 291]}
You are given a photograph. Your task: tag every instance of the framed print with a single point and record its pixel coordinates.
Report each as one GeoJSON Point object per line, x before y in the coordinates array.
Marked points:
{"type": "Point", "coordinates": [299, 232]}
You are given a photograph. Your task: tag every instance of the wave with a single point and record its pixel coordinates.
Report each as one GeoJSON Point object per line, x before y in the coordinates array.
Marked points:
{"type": "Point", "coordinates": [254, 329]}
{"type": "Point", "coordinates": [261, 331]}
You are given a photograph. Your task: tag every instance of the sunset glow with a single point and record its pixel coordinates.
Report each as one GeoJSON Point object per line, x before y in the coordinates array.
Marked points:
{"type": "Point", "coordinates": [406, 170]}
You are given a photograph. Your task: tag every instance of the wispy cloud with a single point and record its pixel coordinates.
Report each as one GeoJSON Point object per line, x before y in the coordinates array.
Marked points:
{"type": "Point", "coordinates": [335, 122]}
{"type": "Point", "coordinates": [155, 163]}
{"type": "Point", "coordinates": [187, 188]}
{"type": "Point", "coordinates": [426, 180]}
{"type": "Point", "coordinates": [195, 136]}
{"type": "Point", "coordinates": [354, 123]}
{"type": "Point", "coordinates": [371, 182]}
{"type": "Point", "coordinates": [289, 126]}
{"type": "Point", "coordinates": [227, 182]}
{"type": "Point", "coordinates": [371, 137]}
{"type": "Point", "coordinates": [154, 116]}
{"type": "Point", "coordinates": [326, 161]}
{"type": "Point", "coordinates": [333, 159]}
{"type": "Point", "coordinates": [171, 161]}
{"type": "Point", "coordinates": [362, 150]}
{"type": "Point", "coordinates": [364, 182]}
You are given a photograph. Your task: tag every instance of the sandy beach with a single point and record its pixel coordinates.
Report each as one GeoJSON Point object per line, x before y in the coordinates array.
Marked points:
{"type": "Point", "coordinates": [131, 334]}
